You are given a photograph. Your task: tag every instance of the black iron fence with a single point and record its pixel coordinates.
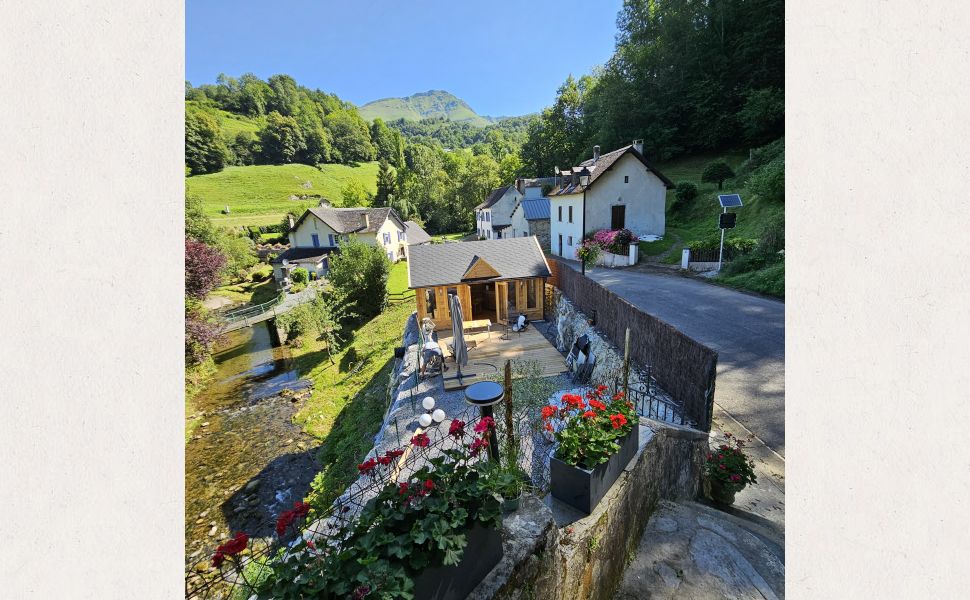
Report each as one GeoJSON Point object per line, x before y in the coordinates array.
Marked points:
{"type": "Point", "coordinates": [244, 568]}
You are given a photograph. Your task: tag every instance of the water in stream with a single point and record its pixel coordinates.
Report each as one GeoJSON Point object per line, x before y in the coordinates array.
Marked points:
{"type": "Point", "coordinates": [247, 462]}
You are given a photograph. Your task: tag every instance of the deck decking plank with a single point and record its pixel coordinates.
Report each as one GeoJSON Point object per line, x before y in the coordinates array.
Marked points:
{"type": "Point", "coordinates": [489, 356]}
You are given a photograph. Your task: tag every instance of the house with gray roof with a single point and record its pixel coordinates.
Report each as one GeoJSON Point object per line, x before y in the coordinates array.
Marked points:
{"type": "Point", "coordinates": [494, 279]}
{"type": "Point", "coordinates": [617, 190]}
{"type": "Point", "coordinates": [494, 215]}
{"type": "Point", "coordinates": [319, 231]}
{"type": "Point", "coordinates": [415, 234]}
{"type": "Point", "coordinates": [531, 215]}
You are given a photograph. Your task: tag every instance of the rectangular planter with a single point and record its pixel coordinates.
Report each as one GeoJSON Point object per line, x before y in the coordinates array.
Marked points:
{"type": "Point", "coordinates": [455, 582]}
{"type": "Point", "coordinates": [583, 489]}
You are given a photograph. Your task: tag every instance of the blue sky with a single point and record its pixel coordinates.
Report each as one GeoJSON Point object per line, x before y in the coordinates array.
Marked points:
{"type": "Point", "coordinates": [503, 58]}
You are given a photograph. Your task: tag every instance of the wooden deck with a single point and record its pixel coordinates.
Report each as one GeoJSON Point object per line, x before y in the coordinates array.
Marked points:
{"type": "Point", "coordinates": [489, 355]}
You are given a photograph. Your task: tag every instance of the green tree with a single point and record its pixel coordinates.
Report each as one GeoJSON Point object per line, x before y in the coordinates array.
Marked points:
{"type": "Point", "coordinates": [355, 194]}
{"type": "Point", "coordinates": [716, 172]}
{"type": "Point", "coordinates": [205, 152]}
{"type": "Point", "coordinates": [359, 272]}
{"type": "Point", "coordinates": [240, 253]}
{"type": "Point", "coordinates": [763, 114]}
{"type": "Point", "coordinates": [319, 146]}
{"type": "Point", "coordinates": [351, 137]}
{"type": "Point", "coordinates": [245, 148]}
{"type": "Point", "coordinates": [686, 193]}
{"type": "Point", "coordinates": [281, 139]}
{"type": "Point", "coordinates": [386, 183]}
{"type": "Point", "coordinates": [768, 182]}
{"type": "Point", "coordinates": [510, 167]}
{"type": "Point", "coordinates": [198, 225]}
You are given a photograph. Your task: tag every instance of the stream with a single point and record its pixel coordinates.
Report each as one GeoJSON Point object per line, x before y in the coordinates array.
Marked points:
{"type": "Point", "coordinates": [247, 462]}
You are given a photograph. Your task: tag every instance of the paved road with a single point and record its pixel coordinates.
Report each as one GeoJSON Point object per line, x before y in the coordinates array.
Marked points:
{"type": "Point", "coordinates": [747, 331]}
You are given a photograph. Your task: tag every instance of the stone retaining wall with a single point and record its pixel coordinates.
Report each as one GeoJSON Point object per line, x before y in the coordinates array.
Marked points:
{"type": "Point", "coordinates": [551, 556]}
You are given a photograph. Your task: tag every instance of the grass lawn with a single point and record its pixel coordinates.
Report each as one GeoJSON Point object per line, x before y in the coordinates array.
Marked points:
{"type": "Point", "coordinates": [249, 291]}
{"type": "Point", "coordinates": [259, 194]}
{"type": "Point", "coordinates": [349, 397]}
{"type": "Point", "coordinates": [769, 280]}
{"type": "Point", "coordinates": [397, 283]}
{"type": "Point", "coordinates": [449, 236]}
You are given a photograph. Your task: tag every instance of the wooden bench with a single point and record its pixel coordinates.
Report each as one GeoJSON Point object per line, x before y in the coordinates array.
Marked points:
{"type": "Point", "coordinates": [479, 324]}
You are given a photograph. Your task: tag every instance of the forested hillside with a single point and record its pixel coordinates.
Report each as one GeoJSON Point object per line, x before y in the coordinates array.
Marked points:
{"type": "Point", "coordinates": [686, 77]}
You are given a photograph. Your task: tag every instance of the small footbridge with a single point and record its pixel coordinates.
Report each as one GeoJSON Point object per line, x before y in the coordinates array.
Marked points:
{"type": "Point", "coordinates": [248, 316]}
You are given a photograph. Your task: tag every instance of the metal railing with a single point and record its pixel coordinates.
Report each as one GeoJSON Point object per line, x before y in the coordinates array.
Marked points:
{"type": "Point", "coordinates": [239, 314]}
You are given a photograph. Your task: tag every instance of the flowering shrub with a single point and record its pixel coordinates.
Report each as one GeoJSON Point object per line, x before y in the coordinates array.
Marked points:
{"type": "Point", "coordinates": [588, 252]}
{"type": "Point", "coordinates": [616, 241]}
{"type": "Point", "coordinates": [408, 527]}
{"type": "Point", "coordinates": [730, 466]}
{"type": "Point", "coordinates": [590, 426]}
{"type": "Point", "coordinates": [230, 548]}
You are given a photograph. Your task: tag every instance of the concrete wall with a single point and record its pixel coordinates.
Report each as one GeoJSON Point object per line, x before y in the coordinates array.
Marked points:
{"type": "Point", "coordinates": [552, 556]}
{"type": "Point", "coordinates": [540, 229]}
{"type": "Point", "coordinates": [564, 227]}
{"type": "Point", "coordinates": [644, 197]}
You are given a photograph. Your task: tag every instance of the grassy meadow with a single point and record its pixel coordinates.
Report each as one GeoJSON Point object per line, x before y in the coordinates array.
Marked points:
{"type": "Point", "coordinates": [260, 194]}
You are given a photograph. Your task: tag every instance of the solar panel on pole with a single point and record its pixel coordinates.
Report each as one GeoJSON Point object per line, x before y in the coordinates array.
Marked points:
{"type": "Point", "coordinates": [729, 200]}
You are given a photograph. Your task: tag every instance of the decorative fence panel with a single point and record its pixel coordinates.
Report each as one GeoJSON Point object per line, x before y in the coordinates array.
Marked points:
{"type": "Point", "coordinates": [682, 366]}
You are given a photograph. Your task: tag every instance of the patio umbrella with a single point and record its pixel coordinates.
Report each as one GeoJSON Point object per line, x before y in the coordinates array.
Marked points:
{"type": "Point", "coordinates": [458, 335]}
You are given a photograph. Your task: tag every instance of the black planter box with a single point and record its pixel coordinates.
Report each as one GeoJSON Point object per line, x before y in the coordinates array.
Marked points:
{"type": "Point", "coordinates": [583, 489]}
{"type": "Point", "coordinates": [455, 582]}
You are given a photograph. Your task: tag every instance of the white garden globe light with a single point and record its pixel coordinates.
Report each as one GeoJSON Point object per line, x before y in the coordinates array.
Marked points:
{"type": "Point", "coordinates": [438, 415]}
{"type": "Point", "coordinates": [425, 420]}
{"type": "Point", "coordinates": [428, 403]}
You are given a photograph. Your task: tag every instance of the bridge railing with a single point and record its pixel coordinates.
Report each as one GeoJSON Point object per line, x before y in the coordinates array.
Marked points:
{"type": "Point", "coordinates": [234, 316]}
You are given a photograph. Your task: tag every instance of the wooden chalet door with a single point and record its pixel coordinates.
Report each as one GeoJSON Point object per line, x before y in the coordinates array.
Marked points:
{"type": "Point", "coordinates": [618, 217]}
{"type": "Point", "coordinates": [502, 301]}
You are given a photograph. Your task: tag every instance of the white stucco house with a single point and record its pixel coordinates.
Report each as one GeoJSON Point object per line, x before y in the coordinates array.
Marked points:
{"type": "Point", "coordinates": [494, 215]}
{"type": "Point", "coordinates": [531, 216]}
{"type": "Point", "coordinates": [318, 232]}
{"type": "Point", "coordinates": [616, 190]}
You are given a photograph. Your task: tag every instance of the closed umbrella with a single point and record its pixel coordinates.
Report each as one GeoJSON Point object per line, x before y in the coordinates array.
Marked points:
{"type": "Point", "coordinates": [458, 336]}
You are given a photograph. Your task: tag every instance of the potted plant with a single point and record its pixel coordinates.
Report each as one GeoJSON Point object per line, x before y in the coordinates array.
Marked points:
{"type": "Point", "coordinates": [729, 470]}
{"type": "Point", "coordinates": [508, 481]}
{"type": "Point", "coordinates": [588, 253]}
{"type": "Point", "coordinates": [598, 436]}
{"type": "Point", "coordinates": [410, 539]}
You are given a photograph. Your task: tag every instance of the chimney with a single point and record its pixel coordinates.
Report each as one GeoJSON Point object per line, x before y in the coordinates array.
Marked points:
{"type": "Point", "coordinates": [364, 220]}
{"type": "Point", "coordinates": [292, 222]}
{"type": "Point", "coordinates": [518, 184]}
{"type": "Point", "coordinates": [596, 152]}
{"type": "Point", "coordinates": [638, 146]}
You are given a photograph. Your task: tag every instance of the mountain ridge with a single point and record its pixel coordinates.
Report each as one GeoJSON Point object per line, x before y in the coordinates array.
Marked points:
{"type": "Point", "coordinates": [424, 105]}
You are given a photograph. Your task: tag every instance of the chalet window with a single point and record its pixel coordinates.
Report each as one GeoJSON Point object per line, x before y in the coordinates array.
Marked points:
{"type": "Point", "coordinates": [570, 214]}
{"type": "Point", "coordinates": [429, 301]}
{"type": "Point", "coordinates": [570, 243]}
{"type": "Point", "coordinates": [626, 179]}
{"type": "Point", "coordinates": [618, 217]}
{"type": "Point", "coordinates": [560, 214]}
{"type": "Point", "coordinates": [387, 238]}
{"type": "Point", "coordinates": [331, 240]}
{"type": "Point", "coordinates": [316, 240]}
{"type": "Point", "coordinates": [560, 245]}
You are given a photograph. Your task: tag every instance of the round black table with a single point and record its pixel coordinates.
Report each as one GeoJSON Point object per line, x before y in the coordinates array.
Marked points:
{"type": "Point", "coordinates": [485, 394]}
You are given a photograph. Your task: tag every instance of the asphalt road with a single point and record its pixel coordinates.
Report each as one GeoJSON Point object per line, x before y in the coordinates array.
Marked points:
{"type": "Point", "coordinates": [747, 331]}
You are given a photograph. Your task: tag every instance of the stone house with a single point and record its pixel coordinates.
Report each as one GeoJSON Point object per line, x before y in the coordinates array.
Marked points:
{"type": "Point", "coordinates": [531, 217]}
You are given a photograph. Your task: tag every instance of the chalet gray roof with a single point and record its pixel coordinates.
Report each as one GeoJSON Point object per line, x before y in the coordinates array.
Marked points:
{"type": "Point", "coordinates": [493, 197]}
{"type": "Point", "coordinates": [601, 165]}
{"type": "Point", "coordinates": [415, 234]}
{"type": "Point", "coordinates": [536, 209]}
{"type": "Point", "coordinates": [303, 255]}
{"type": "Point", "coordinates": [445, 264]}
{"type": "Point", "coordinates": [348, 220]}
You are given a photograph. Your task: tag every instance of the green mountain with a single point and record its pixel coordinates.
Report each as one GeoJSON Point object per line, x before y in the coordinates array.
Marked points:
{"type": "Point", "coordinates": [424, 105]}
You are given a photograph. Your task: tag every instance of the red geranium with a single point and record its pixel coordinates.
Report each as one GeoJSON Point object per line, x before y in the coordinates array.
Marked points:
{"type": "Point", "coordinates": [428, 485]}
{"type": "Point", "coordinates": [367, 467]}
{"type": "Point", "coordinates": [403, 488]}
{"type": "Point", "coordinates": [485, 424]}
{"type": "Point", "coordinates": [230, 548]}
{"type": "Point", "coordinates": [548, 411]}
{"type": "Point", "coordinates": [395, 453]}
{"type": "Point", "coordinates": [573, 400]}
{"type": "Point", "coordinates": [597, 405]}
{"type": "Point", "coordinates": [618, 420]}
{"type": "Point", "coordinates": [589, 414]}
{"type": "Point", "coordinates": [457, 428]}
{"type": "Point", "coordinates": [477, 445]}
{"type": "Point", "coordinates": [421, 440]}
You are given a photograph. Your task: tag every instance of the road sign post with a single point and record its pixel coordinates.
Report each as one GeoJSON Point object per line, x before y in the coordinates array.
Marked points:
{"type": "Point", "coordinates": [726, 220]}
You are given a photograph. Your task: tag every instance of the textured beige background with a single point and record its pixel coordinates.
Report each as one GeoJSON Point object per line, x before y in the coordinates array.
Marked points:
{"type": "Point", "coordinates": [90, 328]}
